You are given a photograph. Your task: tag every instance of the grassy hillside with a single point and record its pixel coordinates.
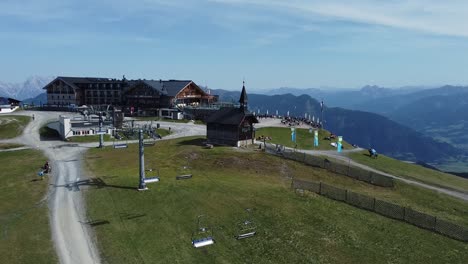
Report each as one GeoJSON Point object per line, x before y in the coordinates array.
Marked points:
{"type": "Point", "coordinates": [304, 139]}
{"type": "Point", "coordinates": [12, 126]}
{"type": "Point", "coordinates": [9, 145]}
{"type": "Point", "coordinates": [24, 225]}
{"type": "Point", "coordinates": [411, 171]}
{"type": "Point", "coordinates": [156, 226]}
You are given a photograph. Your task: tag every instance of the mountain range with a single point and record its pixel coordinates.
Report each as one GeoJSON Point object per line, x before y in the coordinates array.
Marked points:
{"type": "Point", "coordinates": [30, 88]}
{"type": "Point", "coordinates": [346, 98]}
{"type": "Point", "coordinates": [412, 123]}
{"type": "Point", "coordinates": [358, 127]}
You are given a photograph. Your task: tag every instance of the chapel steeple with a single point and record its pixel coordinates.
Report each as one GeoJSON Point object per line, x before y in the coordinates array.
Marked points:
{"type": "Point", "coordinates": [243, 98]}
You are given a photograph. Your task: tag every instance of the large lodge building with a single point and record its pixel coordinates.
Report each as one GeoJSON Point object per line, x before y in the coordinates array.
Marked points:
{"type": "Point", "coordinates": [143, 97]}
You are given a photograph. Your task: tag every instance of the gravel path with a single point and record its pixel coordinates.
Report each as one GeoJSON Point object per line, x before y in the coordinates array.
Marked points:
{"type": "Point", "coordinates": [70, 233]}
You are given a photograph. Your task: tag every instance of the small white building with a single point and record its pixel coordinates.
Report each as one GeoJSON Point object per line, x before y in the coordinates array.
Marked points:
{"type": "Point", "coordinates": [77, 126]}
{"type": "Point", "coordinates": [8, 105]}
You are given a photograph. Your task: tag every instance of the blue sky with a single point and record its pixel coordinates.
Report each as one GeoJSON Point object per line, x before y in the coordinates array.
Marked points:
{"type": "Point", "coordinates": [270, 43]}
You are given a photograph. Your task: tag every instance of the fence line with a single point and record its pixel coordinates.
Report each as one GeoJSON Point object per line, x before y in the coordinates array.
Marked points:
{"type": "Point", "coordinates": [338, 168]}
{"type": "Point", "coordinates": [386, 209]}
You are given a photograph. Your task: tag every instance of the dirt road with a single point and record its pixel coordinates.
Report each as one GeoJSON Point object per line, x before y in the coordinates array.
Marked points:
{"type": "Point", "coordinates": [70, 233]}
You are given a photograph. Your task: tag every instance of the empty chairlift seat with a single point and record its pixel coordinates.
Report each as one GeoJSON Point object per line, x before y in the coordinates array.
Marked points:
{"type": "Point", "coordinates": [154, 178]}
{"type": "Point", "coordinates": [185, 172]}
{"type": "Point", "coordinates": [117, 144]}
{"type": "Point", "coordinates": [247, 228]}
{"type": "Point", "coordinates": [203, 236]}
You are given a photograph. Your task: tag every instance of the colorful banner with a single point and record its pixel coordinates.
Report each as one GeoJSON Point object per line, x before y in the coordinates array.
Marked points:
{"type": "Point", "coordinates": [293, 134]}
{"type": "Point", "coordinates": [316, 141]}
{"type": "Point", "coordinates": [340, 140]}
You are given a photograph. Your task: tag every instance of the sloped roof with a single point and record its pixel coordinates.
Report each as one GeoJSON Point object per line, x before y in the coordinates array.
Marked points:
{"type": "Point", "coordinates": [243, 98]}
{"type": "Point", "coordinates": [72, 81]}
{"type": "Point", "coordinates": [5, 101]}
{"type": "Point", "coordinates": [230, 116]}
{"type": "Point", "coordinates": [169, 88]}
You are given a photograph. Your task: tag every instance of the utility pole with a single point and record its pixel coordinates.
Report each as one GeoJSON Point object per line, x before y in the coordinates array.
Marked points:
{"type": "Point", "coordinates": [142, 185]}
{"type": "Point", "coordinates": [101, 135]}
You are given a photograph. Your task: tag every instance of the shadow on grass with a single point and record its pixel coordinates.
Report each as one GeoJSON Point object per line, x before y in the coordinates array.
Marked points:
{"type": "Point", "coordinates": [96, 222]}
{"type": "Point", "coordinates": [192, 142]}
{"type": "Point", "coordinates": [96, 182]}
{"type": "Point", "coordinates": [131, 216]}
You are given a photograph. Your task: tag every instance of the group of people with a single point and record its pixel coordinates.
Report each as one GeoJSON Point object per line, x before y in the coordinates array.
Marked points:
{"type": "Point", "coordinates": [297, 121]}
{"type": "Point", "coordinates": [262, 138]}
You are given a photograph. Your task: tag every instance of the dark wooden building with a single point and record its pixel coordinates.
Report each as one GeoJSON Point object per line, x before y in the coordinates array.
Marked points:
{"type": "Point", "coordinates": [66, 91]}
{"type": "Point", "coordinates": [142, 97]}
{"type": "Point", "coordinates": [232, 126]}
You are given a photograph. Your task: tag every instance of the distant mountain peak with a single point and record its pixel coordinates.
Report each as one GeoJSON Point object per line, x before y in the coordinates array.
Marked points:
{"type": "Point", "coordinates": [30, 88]}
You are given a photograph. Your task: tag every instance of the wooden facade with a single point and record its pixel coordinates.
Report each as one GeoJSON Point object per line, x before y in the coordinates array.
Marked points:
{"type": "Point", "coordinates": [232, 126]}
{"type": "Point", "coordinates": [139, 96]}
{"type": "Point", "coordinates": [65, 91]}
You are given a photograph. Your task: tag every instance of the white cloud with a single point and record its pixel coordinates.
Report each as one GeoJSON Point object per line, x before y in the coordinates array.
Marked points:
{"type": "Point", "coordinates": [428, 16]}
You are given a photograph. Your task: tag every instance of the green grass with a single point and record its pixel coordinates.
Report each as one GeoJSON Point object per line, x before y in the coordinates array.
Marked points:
{"type": "Point", "coordinates": [156, 226]}
{"type": "Point", "coordinates": [304, 139]}
{"type": "Point", "coordinates": [24, 226]}
{"type": "Point", "coordinates": [12, 126]}
{"type": "Point", "coordinates": [411, 171]}
{"type": "Point", "coordinates": [10, 145]}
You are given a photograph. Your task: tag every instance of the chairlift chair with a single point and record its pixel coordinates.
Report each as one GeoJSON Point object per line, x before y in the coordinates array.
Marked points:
{"type": "Point", "coordinates": [203, 236]}
{"type": "Point", "coordinates": [149, 142]}
{"type": "Point", "coordinates": [246, 228]}
{"type": "Point", "coordinates": [119, 145]}
{"type": "Point", "coordinates": [152, 179]}
{"type": "Point", "coordinates": [185, 172]}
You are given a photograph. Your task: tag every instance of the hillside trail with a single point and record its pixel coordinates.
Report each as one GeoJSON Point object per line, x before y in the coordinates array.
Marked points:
{"type": "Point", "coordinates": [72, 236]}
{"type": "Point", "coordinates": [269, 122]}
